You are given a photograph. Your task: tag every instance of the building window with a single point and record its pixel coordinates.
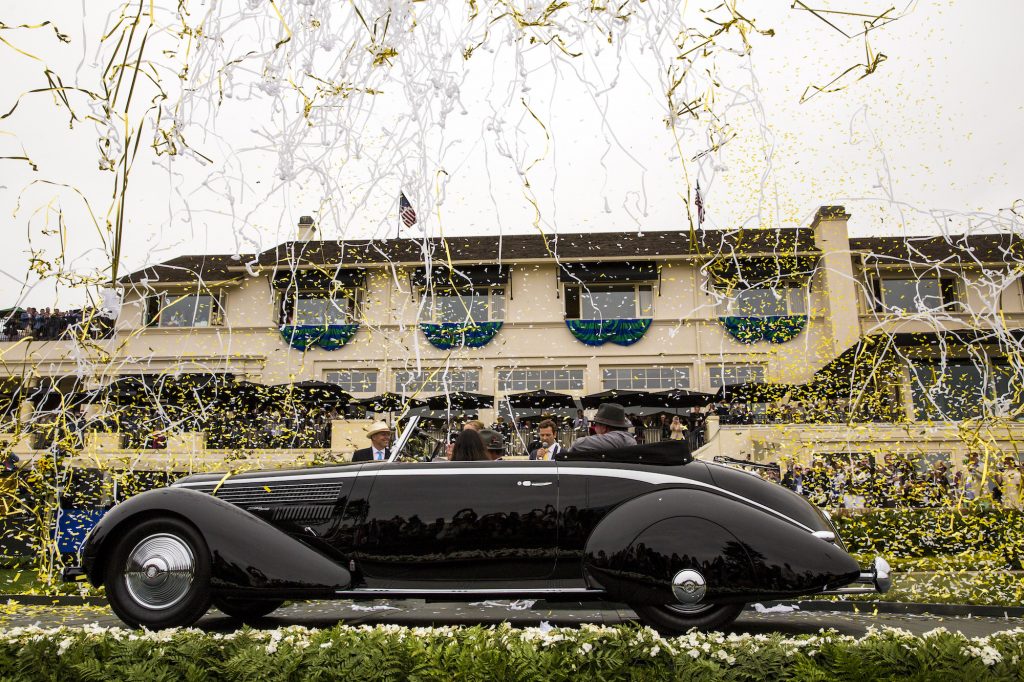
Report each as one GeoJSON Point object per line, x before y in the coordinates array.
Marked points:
{"type": "Point", "coordinates": [963, 389]}
{"type": "Point", "coordinates": [728, 375]}
{"type": "Point", "coordinates": [924, 294]}
{"type": "Point", "coordinates": [516, 380]}
{"type": "Point", "coordinates": [608, 301]}
{"type": "Point", "coordinates": [318, 308]}
{"type": "Point", "coordinates": [436, 381]}
{"type": "Point", "coordinates": [481, 304]}
{"type": "Point", "coordinates": [766, 302]}
{"type": "Point", "coordinates": [354, 380]}
{"type": "Point", "coordinates": [183, 310]}
{"type": "Point", "coordinates": [645, 378]}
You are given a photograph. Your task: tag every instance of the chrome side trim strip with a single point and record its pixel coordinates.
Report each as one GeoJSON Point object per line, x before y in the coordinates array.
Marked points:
{"type": "Point", "coordinates": [482, 591]}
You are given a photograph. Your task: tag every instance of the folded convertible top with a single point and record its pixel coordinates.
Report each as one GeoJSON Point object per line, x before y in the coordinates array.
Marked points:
{"type": "Point", "coordinates": [665, 453]}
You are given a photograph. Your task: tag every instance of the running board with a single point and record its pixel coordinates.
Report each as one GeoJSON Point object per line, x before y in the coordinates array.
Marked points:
{"type": "Point", "coordinates": [550, 594]}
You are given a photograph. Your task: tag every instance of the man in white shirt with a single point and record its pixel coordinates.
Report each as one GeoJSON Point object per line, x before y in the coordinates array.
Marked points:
{"type": "Point", "coordinates": [380, 438]}
{"type": "Point", "coordinates": [549, 447]}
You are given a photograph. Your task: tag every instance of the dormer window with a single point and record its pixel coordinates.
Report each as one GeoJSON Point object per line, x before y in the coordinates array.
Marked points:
{"type": "Point", "coordinates": [608, 291]}
{"type": "Point", "coordinates": [471, 294]}
{"type": "Point", "coordinates": [608, 301]}
{"type": "Point", "coordinates": [907, 295]}
{"type": "Point", "coordinates": [169, 309]}
{"type": "Point", "coordinates": [311, 298]}
{"type": "Point", "coordinates": [767, 302]}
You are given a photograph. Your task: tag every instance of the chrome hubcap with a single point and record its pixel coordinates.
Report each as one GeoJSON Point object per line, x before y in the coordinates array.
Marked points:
{"type": "Point", "coordinates": [159, 571]}
{"type": "Point", "coordinates": [688, 587]}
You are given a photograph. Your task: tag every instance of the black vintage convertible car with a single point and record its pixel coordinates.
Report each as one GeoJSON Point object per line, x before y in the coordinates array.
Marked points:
{"type": "Point", "coordinates": [685, 543]}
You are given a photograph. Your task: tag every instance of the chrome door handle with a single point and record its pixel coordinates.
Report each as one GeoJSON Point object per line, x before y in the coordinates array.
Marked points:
{"type": "Point", "coordinates": [535, 484]}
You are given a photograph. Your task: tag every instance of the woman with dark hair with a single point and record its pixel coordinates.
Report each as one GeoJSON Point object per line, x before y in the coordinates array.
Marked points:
{"type": "Point", "coordinates": [469, 447]}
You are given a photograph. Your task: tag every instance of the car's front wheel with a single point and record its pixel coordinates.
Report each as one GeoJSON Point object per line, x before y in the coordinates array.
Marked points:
{"type": "Point", "coordinates": [675, 619]}
{"type": "Point", "coordinates": [158, 575]}
{"type": "Point", "coordinates": [246, 609]}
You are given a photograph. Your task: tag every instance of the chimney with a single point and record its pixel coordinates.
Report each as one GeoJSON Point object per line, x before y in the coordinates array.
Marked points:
{"type": "Point", "coordinates": [307, 229]}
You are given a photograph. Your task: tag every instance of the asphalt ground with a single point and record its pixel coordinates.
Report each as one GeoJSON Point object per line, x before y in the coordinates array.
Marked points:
{"type": "Point", "coordinates": [325, 614]}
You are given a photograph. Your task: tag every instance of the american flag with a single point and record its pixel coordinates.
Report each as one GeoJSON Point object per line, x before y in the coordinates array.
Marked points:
{"type": "Point", "coordinates": [699, 203]}
{"type": "Point", "coordinates": [406, 211]}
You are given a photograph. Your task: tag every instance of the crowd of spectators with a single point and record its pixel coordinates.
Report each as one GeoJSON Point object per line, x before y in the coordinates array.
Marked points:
{"type": "Point", "coordinates": [49, 325]}
{"type": "Point", "coordinates": [855, 483]}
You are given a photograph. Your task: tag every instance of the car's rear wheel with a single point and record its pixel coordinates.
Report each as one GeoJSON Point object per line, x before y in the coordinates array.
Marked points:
{"type": "Point", "coordinates": [675, 619]}
{"type": "Point", "coordinates": [246, 609]}
{"type": "Point", "coordinates": [158, 575]}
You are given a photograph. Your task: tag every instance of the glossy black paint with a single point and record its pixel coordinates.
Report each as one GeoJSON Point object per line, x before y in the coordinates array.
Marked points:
{"type": "Point", "coordinates": [619, 530]}
{"type": "Point", "coordinates": [458, 522]}
{"type": "Point", "coordinates": [741, 551]}
{"type": "Point", "coordinates": [248, 553]}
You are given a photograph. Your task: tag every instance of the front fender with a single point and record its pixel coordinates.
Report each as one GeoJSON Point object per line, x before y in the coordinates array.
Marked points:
{"type": "Point", "coordinates": [743, 552]}
{"type": "Point", "coordinates": [247, 552]}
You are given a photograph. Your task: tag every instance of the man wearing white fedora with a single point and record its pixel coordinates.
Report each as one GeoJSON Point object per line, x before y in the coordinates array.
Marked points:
{"type": "Point", "coordinates": [380, 438]}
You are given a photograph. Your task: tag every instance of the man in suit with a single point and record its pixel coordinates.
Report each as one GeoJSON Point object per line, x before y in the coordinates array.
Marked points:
{"type": "Point", "coordinates": [549, 447]}
{"type": "Point", "coordinates": [380, 438]}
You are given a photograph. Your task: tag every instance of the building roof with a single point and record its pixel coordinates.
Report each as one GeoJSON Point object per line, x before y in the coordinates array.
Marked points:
{"type": "Point", "coordinates": [954, 249]}
{"type": "Point", "coordinates": [1002, 247]}
{"type": "Point", "coordinates": [208, 268]}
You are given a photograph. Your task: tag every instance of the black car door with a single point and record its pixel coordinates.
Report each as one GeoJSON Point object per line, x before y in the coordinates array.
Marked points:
{"type": "Point", "coordinates": [459, 521]}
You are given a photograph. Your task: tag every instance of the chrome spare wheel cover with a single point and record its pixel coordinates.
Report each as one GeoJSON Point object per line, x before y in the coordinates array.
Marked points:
{"type": "Point", "coordinates": [688, 587]}
{"type": "Point", "coordinates": [158, 573]}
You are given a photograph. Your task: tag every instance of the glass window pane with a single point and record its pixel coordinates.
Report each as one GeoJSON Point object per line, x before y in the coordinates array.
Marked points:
{"type": "Point", "coordinates": [497, 304]}
{"type": "Point", "coordinates": [646, 301]}
{"type": "Point", "coordinates": [911, 295]}
{"type": "Point", "coordinates": [609, 303]}
{"type": "Point", "coordinates": [572, 302]}
{"type": "Point", "coordinates": [952, 392]}
{"type": "Point", "coordinates": [759, 303]}
{"type": "Point", "coordinates": [186, 311]}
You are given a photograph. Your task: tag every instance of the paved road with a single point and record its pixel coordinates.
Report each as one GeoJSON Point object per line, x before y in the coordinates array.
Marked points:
{"type": "Point", "coordinates": [324, 614]}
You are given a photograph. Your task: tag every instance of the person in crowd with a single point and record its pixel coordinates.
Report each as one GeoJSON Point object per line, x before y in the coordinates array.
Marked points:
{"type": "Point", "coordinates": [501, 426]}
{"type": "Point", "coordinates": [494, 444]}
{"type": "Point", "coordinates": [1011, 473]}
{"type": "Point", "coordinates": [548, 445]}
{"type": "Point", "coordinates": [380, 440]}
{"type": "Point", "coordinates": [469, 447]}
{"type": "Point", "coordinates": [676, 430]}
{"type": "Point", "coordinates": [581, 425]}
{"type": "Point", "coordinates": [794, 479]}
{"type": "Point", "coordinates": [474, 424]}
{"type": "Point", "coordinates": [610, 431]}
{"type": "Point", "coordinates": [638, 428]}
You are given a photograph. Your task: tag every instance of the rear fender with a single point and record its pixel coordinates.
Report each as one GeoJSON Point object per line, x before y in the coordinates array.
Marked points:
{"type": "Point", "coordinates": [742, 551]}
{"type": "Point", "coordinates": [247, 552]}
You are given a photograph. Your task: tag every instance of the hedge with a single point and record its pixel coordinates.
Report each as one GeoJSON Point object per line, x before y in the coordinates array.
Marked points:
{"type": "Point", "coordinates": [392, 652]}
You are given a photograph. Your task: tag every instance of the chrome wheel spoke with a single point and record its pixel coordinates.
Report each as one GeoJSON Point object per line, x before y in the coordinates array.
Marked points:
{"type": "Point", "coordinates": [159, 571]}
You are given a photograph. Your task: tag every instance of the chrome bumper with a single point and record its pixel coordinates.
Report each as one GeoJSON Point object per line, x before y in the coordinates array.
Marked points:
{"type": "Point", "coordinates": [877, 577]}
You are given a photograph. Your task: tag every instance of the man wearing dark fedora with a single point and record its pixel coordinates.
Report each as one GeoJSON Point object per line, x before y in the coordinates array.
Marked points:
{"type": "Point", "coordinates": [610, 431]}
{"type": "Point", "coordinates": [494, 442]}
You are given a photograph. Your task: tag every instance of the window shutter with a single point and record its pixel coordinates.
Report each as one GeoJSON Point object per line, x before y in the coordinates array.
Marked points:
{"type": "Point", "coordinates": [950, 295]}
{"type": "Point", "coordinates": [152, 313]}
{"type": "Point", "coordinates": [878, 305]}
{"type": "Point", "coordinates": [218, 313]}
{"type": "Point", "coordinates": [572, 302]}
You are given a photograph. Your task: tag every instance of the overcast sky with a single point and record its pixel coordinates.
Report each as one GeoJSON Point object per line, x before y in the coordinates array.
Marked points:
{"type": "Point", "coordinates": [517, 138]}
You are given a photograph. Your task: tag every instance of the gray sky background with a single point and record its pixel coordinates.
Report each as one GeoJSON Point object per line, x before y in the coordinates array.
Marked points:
{"type": "Point", "coordinates": [930, 142]}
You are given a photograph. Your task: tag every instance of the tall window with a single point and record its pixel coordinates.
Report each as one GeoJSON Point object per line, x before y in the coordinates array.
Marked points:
{"type": "Point", "coordinates": [355, 380]}
{"type": "Point", "coordinates": [645, 378]}
{"type": "Point", "coordinates": [183, 310]}
{"type": "Point", "coordinates": [728, 375]}
{"type": "Point", "coordinates": [608, 301]}
{"type": "Point", "coordinates": [514, 380]}
{"type": "Point", "coordinates": [319, 308]}
{"type": "Point", "coordinates": [437, 381]}
{"type": "Point", "coordinates": [924, 294]}
{"type": "Point", "coordinates": [963, 389]}
{"type": "Point", "coordinates": [482, 304]}
{"type": "Point", "coordinates": [767, 302]}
